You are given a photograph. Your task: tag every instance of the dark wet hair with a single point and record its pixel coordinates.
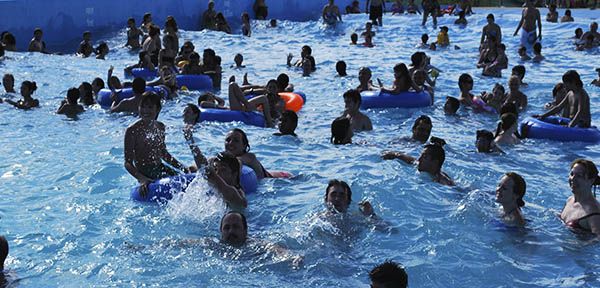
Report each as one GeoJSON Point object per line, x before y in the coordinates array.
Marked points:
{"type": "Point", "coordinates": [230, 161]}
{"type": "Point", "coordinates": [537, 47]}
{"type": "Point", "coordinates": [339, 130]}
{"type": "Point", "coordinates": [3, 251]}
{"type": "Point", "coordinates": [509, 107]}
{"type": "Point", "coordinates": [389, 274]}
{"type": "Point", "coordinates": [98, 82]}
{"type": "Point", "coordinates": [273, 22]}
{"type": "Point", "coordinates": [171, 23]}
{"type": "Point", "coordinates": [519, 188]}
{"type": "Point", "coordinates": [146, 16]}
{"type": "Point", "coordinates": [283, 80]}
{"type": "Point", "coordinates": [340, 67]}
{"type": "Point", "coordinates": [417, 58]}
{"type": "Point", "coordinates": [568, 12]}
{"type": "Point", "coordinates": [464, 78]}
{"type": "Point", "coordinates": [30, 85]}
{"type": "Point", "coordinates": [454, 103]}
{"type": "Point", "coordinates": [437, 152]}
{"type": "Point", "coordinates": [557, 88]}
{"type": "Point", "coordinates": [153, 30]}
{"type": "Point", "coordinates": [422, 118]}
{"type": "Point", "coordinates": [444, 28]}
{"type": "Point", "coordinates": [353, 95]}
{"type": "Point", "coordinates": [195, 109]}
{"type": "Point", "coordinates": [139, 85]}
{"type": "Point", "coordinates": [292, 116]}
{"type": "Point", "coordinates": [590, 168]}
{"type": "Point", "coordinates": [335, 182]}
{"type": "Point", "coordinates": [578, 32]}
{"type": "Point", "coordinates": [490, 16]}
{"type": "Point", "coordinates": [485, 134]}
{"type": "Point", "coordinates": [572, 76]}
{"type": "Point", "coordinates": [354, 37]}
{"type": "Point", "coordinates": [153, 98]}
{"type": "Point", "coordinates": [73, 95]}
{"type": "Point", "coordinates": [522, 48]}
{"type": "Point", "coordinates": [244, 221]}
{"type": "Point", "coordinates": [520, 69]}
{"type": "Point", "coordinates": [507, 120]}
{"type": "Point", "coordinates": [102, 46]}
{"type": "Point", "coordinates": [8, 39]}
{"type": "Point", "coordinates": [244, 138]}
{"type": "Point", "coordinates": [307, 49]}
{"type": "Point", "coordinates": [205, 97]}
{"type": "Point", "coordinates": [87, 90]}
{"type": "Point", "coordinates": [424, 38]}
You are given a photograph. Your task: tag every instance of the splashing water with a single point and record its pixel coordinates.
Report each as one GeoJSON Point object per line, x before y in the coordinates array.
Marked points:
{"type": "Point", "coordinates": [198, 204]}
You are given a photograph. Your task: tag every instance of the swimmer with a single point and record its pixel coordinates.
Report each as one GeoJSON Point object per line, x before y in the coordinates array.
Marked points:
{"type": "Point", "coordinates": [488, 52]}
{"type": "Point", "coordinates": [221, 24]}
{"type": "Point", "coordinates": [9, 41]}
{"type": "Point", "coordinates": [145, 148]}
{"type": "Point", "coordinates": [246, 28]}
{"type": "Point", "coordinates": [152, 44]}
{"type": "Point", "coordinates": [529, 18]}
{"type": "Point", "coordinates": [354, 8]}
{"type": "Point", "coordinates": [368, 35]}
{"type": "Point", "coordinates": [485, 142]}
{"type": "Point", "coordinates": [210, 100]}
{"type": "Point", "coordinates": [552, 15]}
{"type": "Point", "coordinates": [582, 210]}
{"type": "Point", "coordinates": [338, 197]}
{"type": "Point", "coordinates": [167, 80]}
{"type": "Point", "coordinates": [500, 63]}
{"type": "Point", "coordinates": [424, 39]}
{"type": "Point", "coordinates": [97, 85]}
{"type": "Point", "coordinates": [587, 44]}
{"type": "Point", "coordinates": [402, 81]}
{"type": "Point", "coordinates": [4, 249]}
{"type": "Point", "coordinates": [594, 82]}
{"type": "Point", "coordinates": [133, 35]}
{"type": "Point", "coordinates": [8, 81]}
{"type": "Point", "coordinates": [451, 105]}
{"type": "Point", "coordinates": [465, 84]}
{"type": "Point", "coordinates": [283, 85]}
{"type": "Point", "coordinates": [145, 62]}
{"type": "Point", "coordinates": [388, 274]}
{"type": "Point", "coordinates": [288, 124]}
{"type": "Point", "coordinates": [101, 51]}
{"type": "Point", "coordinates": [306, 61]}
{"type": "Point", "coordinates": [442, 38]}
{"type": "Point", "coordinates": [146, 22]}
{"type": "Point", "coordinates": [421, 129]}
{"type": "Point", "coordinates": [364, 77]}
{"type": "Point", "coordinates": [238, 59]}
{"type": "Point", "coordinates": [171, 30]}
{"type": "Point", "coordinates": [238, 102]}
{"type": "Point", "coordinates": [358, 120]}
{"type": "Point", "coordinates": [506, 132]}
{"type": "Point", "coordinates": [430, 7]}
{"type": "Point", "coordinates": [224, 173]}
{"type": "Point", "coordinates": [70, 106]}
{"type": "Point", "coordinates": [37, 44]}
{"type": "Point", "coordinates": [593, 31]}
{"type": "Point", "coordinates": [272, 23]}
{"type": "Point", "coordinates": [558, 94]}
{"type": "Point", "coordinates": [167, 55]}
{"type": "Point", "coordinates": [28, 102]}
{"type": "Point", "coordinates": [519, 71]}
{"type": "Point", "coordinates": [193, 67]}
{"type": "Point", "coordinates": [430, 161]}
{"type": "Point", "coordinates": [191, 115]}
{"type": "Point", "coordinates": [331, 14]}
{"type": "Point", "coordinates": [261, 10]}
{"type": "Point", "coordinates": [353, 39]}
{"type": "Point", "coordinates": [85, 46]}
{"type": "Point", "coordinates": [340, 68]}
{"type": "Point", "coordinates": [86, 94]}
{"type": "Point", "coordinates": [523, 54]}
{"type": "Point", "coordinates": [208, 20]}
{"type": "Point", "coordinates": [375, 11]}
{"type": "Point", "coordinates": [509, 194]}
{"type": "Point", "coordinates": [185, 52]}
{"type": "Point", "coordinates": [131, 105]}
{"type": "Point", "coordinates": [577, 102]}
{"type": "Point", "coordinates": [567, 17]}
{"type": "Point", "coordinates": [341, 131]}
{"type": "Point", "coordinates": [537, 53]}
{"type": "Point", "coordinates": [461, 19]}
{"type": "Point", "coordinates": [496, 98]}
{"type": "Point", "coordinates": [432, 46]}
{"type": "Point", "coordinates": [419, 77]}
{"type": "Point", "coordinates": [236, 143]}
{"type": "Point", "coordinates": [514, 95]}
{"type": "Point", "coordinates": [578, 34]}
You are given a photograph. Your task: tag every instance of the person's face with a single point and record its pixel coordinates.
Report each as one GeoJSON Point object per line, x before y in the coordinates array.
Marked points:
{"type": "Point", "coordinates": [238, 60]}
{"type": "Point", "coordinates": [337, 197]}
{"type": "Point", "coordinates": [483, 144]}
{"type": "Point", "coordinates": [490, 20]}
{"type": "Point", "coordinates": [505, 191]}
{"type": "Point", "coordinates": [232, 230]}
{"type": "Point", "coordinates": [234, 143]}
{"type": "Point", "coordinates": [594, 27]}
{"type": "Point", "coordinates": [422, 131]}
{"type": "Point", "coordinates": [419, 78]}
{"type": "Point", "coordinates": [9, 83]}
{"type": "Point", "coordinates": [25, 90]}
{"type": "Point", "coordinates": [426, 163]}
{"type": "Point", "coordinates": [189, 116]}
{"type": "Point", "coordinates": [364, 76]}
{"type": "Point", "coordinates": [578, 178]}
{"type": "Point", "coordinates": [148, 111]}
{"type": "Point", "coordinates": [467, 84]}
{"type": "Point", "coordinates": [350, 105]}
{"type": "Point", "coordinates": [272, 87]}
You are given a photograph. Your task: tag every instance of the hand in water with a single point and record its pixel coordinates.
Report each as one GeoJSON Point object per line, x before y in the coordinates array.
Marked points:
{"type": "Point", "coordinates": [388, 155]}
{"type": "Point", "coordinates": [366, 208]}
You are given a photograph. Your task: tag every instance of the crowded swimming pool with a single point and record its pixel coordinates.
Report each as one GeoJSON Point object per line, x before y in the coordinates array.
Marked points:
{"type": "Point", "coordinates": [67, 211]}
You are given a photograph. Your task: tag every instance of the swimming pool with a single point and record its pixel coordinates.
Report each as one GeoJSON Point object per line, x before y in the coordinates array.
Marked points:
{"type": "Point", "coordinates": [69, 220]}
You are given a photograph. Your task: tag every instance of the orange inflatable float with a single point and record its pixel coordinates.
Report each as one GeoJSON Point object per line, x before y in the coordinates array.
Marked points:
{"type": "Point", "coordinates": [292, 101]}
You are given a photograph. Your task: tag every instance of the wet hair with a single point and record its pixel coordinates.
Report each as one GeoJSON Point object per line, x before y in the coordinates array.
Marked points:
{"type": "Point", "coordinates": [519, 188]}
{"type": "Point", "coordinates": [194, 56]}
{"type": "Point", "coordinates": [339, 130]}
{"type": "Point", "coordinates": [152, 98]}
{"type": "Point", "coordinates": [153, 30]}
{"type": "Point", "coordinates": [8, 76]}
{"type": "Point", "coordinates": [403, 70]}
{"type": "Point", "coordinates": [485, 134]}
{"type": "Point", "coordinates": [37, 30]}
{"type": "Point", "coordinates": [490, 16]}
{"type": "Point", "coordinates": [454, 103]}
{"type": "Point", "coordinates": [204, 97]}
{"type": "Point", "coordinates": [87, 90]}
{"type": "Point", "coordinates": [340, 67]}
{"type": "Point", "coordinates": [73, 95]}
{"type": "Point", "coordinates": [86, 33]}
{"type": "Point", "coordinates": [537, 48]}
{"type": "Point", "coordinates": [239, 56]}
{"type": "Point", "coordinates": [146, 17]}
{"type": "Point", "coordinates": [171, 23]}
{"type": "Point", "coordinates": [501, 88]}
{"type": "Point", "coordinates": [98, 82]}
{"type": "Point", "coordinates": [244, 138]}
{"type": "Point", "coordinates": [509, 107]}
{"type": "Point", "coordinates": [273, 22]}
{"type": "Point", "coordinates": [422, 118]}
{"type": "Point", "coordinates": [552, 7]}
{"type": "Point", "coordinates": [3, 251]}
{"type": "Point", "coordinates": [444, 28]}
{"type": "Point", "coordinates": [354, 37]}
{"type": "Point", "coordinates": [307, 49]}
{"type": "Point", "coordinates": [507, 120]}
{"type": "Point", "coordinates": [464, 78]}
{"type": "Point", "coordinates": [353, 95]}
{"type": "Point", "coordinates": [437, 152]}
{"type": "Point", "coordinates": [389, 274]}
{"type": "Point", "coordinates": [335, 182]}
{"type": "Point", "coordinates": [131, 20]}
{"type": "Point", "coordinates": [230, 161]}
{"type": "Point", "coordinates": [578, 32]}
{"type": "Point", "coordinates": [519, 69]}
{"type": "Point", "coordinates": [244, 221]}
{"type": "Point", "coordinates": [522, 48]}
{"type": "Point", "coordinates": [102, 46]}
{"type": "Point", "coordinates": [8, 39]}
{"type": "Point", "coordinates": [283, 80]}
{"type": "Point", "coordinates": [417, 59]}
{"type": "Point", "coordinates": [557, 88]}
{"type": "Point", "coordinates": [568, 12]}
{"type": "Point", "coordinates": [139, 85]}
{"type": "Point", "coordinates": [590, 168]}
{"type": "Point", "coordinates": [572, 76]}
{"type": "Point", "coordinates": [30, 85]}
{"type": "Point", "coordinates": [196, 110]}
{"type": "Point", "coordinates": [424, 38]}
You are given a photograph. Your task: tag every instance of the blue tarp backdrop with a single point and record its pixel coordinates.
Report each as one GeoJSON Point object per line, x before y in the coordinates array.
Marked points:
{"type": "Point", "coordinates": [63, 21]}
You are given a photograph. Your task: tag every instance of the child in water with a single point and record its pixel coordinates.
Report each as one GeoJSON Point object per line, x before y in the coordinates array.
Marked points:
{"type": "Point", "coordinates": [442, 38]}
{"type": "Point", "coordinates": [368, 35]}
{"type": "Point", "coordinates": [496, 98]}
{"type": "Point", "coordinates": [465, 84]}
{"type": "Point", "coordinates": [424, 39]}
{"type": "Point", "coordinates": [288, 124]}
{"type": "Point", "coordinates": [523, 54]}
{"type": "Point", "coordinates": [28, 102]}
{"type": "Point", "coordinates": [537, 53]}
{"type": "Point", "coordinates": [514, 95]}
{"type": "Point", "coordinates": [70, 106]}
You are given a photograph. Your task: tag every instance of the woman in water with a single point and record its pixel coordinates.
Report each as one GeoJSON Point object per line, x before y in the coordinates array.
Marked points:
{"type": "Point", "coordinates": [507, 129]}
{"type": "Point", "coordinates": [402, 81]}
{"type": "Point", "coordinates": [582, 210]}
{"type": "Point", "coordinates": [27, 89]}
{"type": "Point", "coordinates": [236, 143]}
{"type": "Point", "coordinates": [509, 194]}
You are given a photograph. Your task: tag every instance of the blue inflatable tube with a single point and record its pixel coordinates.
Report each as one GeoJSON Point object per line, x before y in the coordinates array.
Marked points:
{"type": "Point", "coordinates": [377, 99]}
{"type": "Point", "coordinates": [163, 189]}
{"type": "Point", "coordinates": [224, 115]}
{"type": "Point", "coordinates": [147, 74]}
{"type": "Point", "coordinates": [103, 97]}
{"type": "Point", "coordinates": [552, 128]}
{"type": "Point", "coordinates": [194, 82]}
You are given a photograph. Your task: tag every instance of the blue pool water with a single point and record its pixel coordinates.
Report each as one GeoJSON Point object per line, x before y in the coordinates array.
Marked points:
{"type": "Point", "coordinates": [66, 210]}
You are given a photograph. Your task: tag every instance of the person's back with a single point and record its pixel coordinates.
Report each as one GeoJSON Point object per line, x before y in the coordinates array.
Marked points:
{"type": "Point", "coordinates": [131, 104]}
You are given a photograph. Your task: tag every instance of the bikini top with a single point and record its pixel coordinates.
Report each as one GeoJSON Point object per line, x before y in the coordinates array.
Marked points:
{"type": "Point", "coordinates": [575, 223]}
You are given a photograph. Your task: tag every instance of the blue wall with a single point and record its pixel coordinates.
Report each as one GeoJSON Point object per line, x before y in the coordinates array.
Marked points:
{"type": "Point", "coordinates": [63, 21]}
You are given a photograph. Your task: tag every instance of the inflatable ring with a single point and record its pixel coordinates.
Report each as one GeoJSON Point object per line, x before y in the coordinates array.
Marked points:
{"type": "Point", "coordinates": [378, 99]}
{"type": "Point", "coordinates": [147, 74]}
{"type": "Point", "coordinates": [480, 105]}
{"type": "Point", "coordinates": [552, 128]}
{"type": "Point", "coordinates": [163, 190]}
{"type": "Point", "coordinates": [194, 82]}
{"type": "Point", "coordinates": [224, 115]}
{"type": "Point", "coordinates": [292, 101]}
{"type": "Point", "coordinates": [104, 95]}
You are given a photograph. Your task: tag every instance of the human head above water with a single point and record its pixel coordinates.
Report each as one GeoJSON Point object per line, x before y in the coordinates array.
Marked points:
{"type": "Point", "coordinates": [424, 38]}
{"type": "Point", "coordinates": [283, 80]}
{"type": "Point", "coordinates": [352, 99]}
{"type": "Point", "coordinates": [139, 85]}
{"type": "Point", "coordinates": [234, 228]}
{"type": "Point", "coordinates": [571, 79]}
{"type": "Point", "coordinates": [451, 106]}
{"type": "Point", "coordinates": [421, 129]}
{"type": "Point", "coordinates": [191, 114]}
{"type": "Point", "coordinates": [354, 38]}
{"type": "Point", "coordinates": [72, 95]}
{"type": "Point", "coordinates": [341, 131]}
{"type": "Point", "coordinates": [583, 172]}
{"type": "Point", "coordinates": [28, 87]}
{"type": "Point", "coordinates": [388, 275]}
{"type": "Point", "coordinates": [8, 81]}
{"type": "Point", "coordinates": [340, 67]}
{"type": "Point", "coordinates": [465, 82]}
{"type": "Point", "coordinates": [288, 123]}
{"type": "Point", "coordinates": [151, 101]}
{"type": "Point", "coordinates": [338, 194]}
{"type": "Point", "coordinates": [484, 141]}
{"type": "Point", "coordinates": [511, 189]}
{"type": "Point", "coordinates": [236, 142]}
{"type": "Point", "coordinates": [432, 158]}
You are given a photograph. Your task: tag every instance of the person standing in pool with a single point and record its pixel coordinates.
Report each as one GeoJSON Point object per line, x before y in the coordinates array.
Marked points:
{"type": "Point", "coordinates": [359, 121]}
{"type": "Point", "coordinates": [145, 148]}
{"type": "Point", "coordinates": [430, 7]}
{"type": "Point", "coordinates": [509, 194]}
{"type": "Point", "coordinates": [70, 106]}
{"type": "Point", "coordinates": [582, 210]}
{"type": "Point", "coordinates": [209, 17]}
{"type": "Point", "coordinates": [375, 11]}
{"type": "Point", "coordinates": [37, 44]}
{"type": "Point", "coordinates": [306, 62]}
{"type": "Point", "coordinates": [465, 84]}
{"type": "Point", "coordinates": [133, 35]}
{"type": "Point", "coordinates": [246, 28]}
{"type": "Point", "coordinates": [331, 14]}
{"type": "Point", "coordinates": [338, 197]}
{"type": "Point", "coordinates": [85, 47]}
{"type": "Point", "coordinates": [341, 131]}
{"type": "Point", "coordinates": [514, 95]}
{"type": "Point", "coordinates": [529, 18]}
{"type": "Point", "coordinates": [577, 102]}
{"type": "Point", "coordinates": [261, 10]}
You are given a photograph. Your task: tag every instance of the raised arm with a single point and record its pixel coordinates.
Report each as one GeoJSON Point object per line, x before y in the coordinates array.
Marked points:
{"type": "Point", "coordinates": [232, 195]}
{"type": "Point", "coordinates": [198, 156]}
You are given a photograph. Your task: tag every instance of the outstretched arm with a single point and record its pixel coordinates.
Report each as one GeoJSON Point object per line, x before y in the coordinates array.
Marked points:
{"type": "Point", "coordinates": [390, 155]}
{"type": "Point", "coordinates": [198, 156]}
